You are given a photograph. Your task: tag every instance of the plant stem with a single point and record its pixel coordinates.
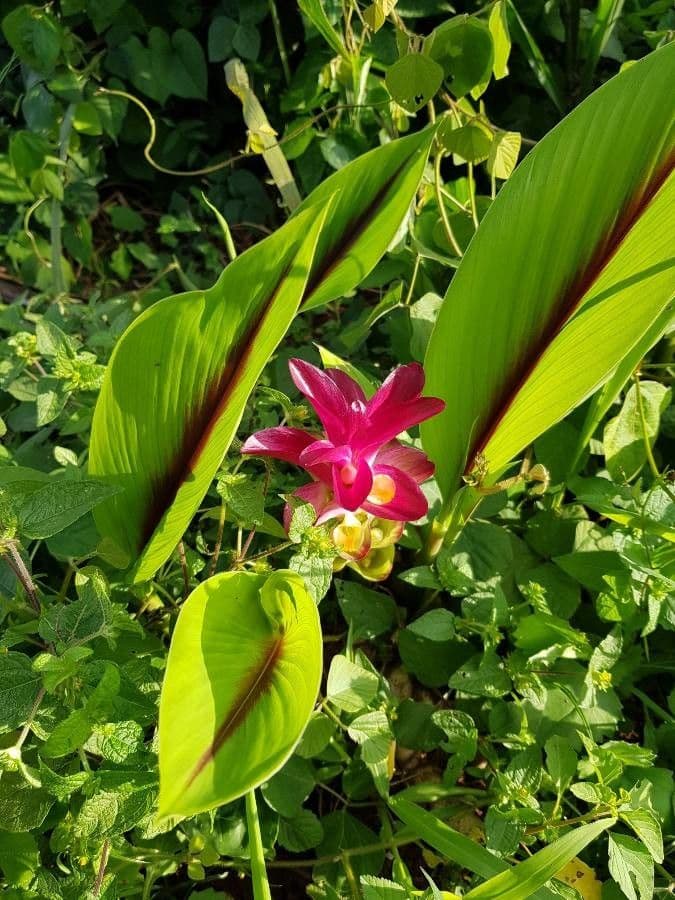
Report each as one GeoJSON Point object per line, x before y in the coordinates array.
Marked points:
{"type": "Point", "coordinates": [58, 286]}
{"type": "Point", "coordinates": [261, 886]}
{"type": "Point", "coordinates": [18, 566]}
{"type": "Point", "coordinates": [645, 433]}
{"type": "Point", "coordinates": [413, 279]}
{"type": "Point", "coordinates": [441, 205]}
{"type": "Point", "coordinates": [352, 880]}
{"type": "Point", "coordinates": [472, 196]}
{"type": "Point", "coordinates": [219, 540]}
{"type": "Point", "coordinates": [448, 524]}
{"type": "Point", "coordinates": [184, 567]}
{"type": "Point", "coordinates": [25, 731]}
{"type": "Point", "coordinates": [279, 35]}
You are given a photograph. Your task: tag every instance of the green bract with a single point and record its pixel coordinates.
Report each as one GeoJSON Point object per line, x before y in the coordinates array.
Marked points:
{"type": "Point", "coordinates": [241, 681]}
{"type": "Point", "coordinates": [569, 269]}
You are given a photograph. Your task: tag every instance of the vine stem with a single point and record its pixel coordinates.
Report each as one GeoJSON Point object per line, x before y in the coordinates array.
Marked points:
{"type": "Point", "coordinates": [646, 439]}
{"type": "Point", "coordinates": [18, 566]}
{"type": "Point", "coordinates": [261, 886]}
{"type": "Point", "coordinates": [441, 205]}
{"type": "Point", "coordinates": [279, 35]}
{"type": "Point", "coordinates": [58, 286]}
{"type": "Point", "coordinates": [184, 568]}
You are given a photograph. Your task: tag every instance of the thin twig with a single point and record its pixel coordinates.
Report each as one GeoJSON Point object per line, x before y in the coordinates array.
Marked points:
{"type": "Point", "coordinates": [18, 566]}
{"type": "Point", "coordinates": [219, 540]}
{"type": "Point", "coordinates": [645, 437]}
{"type": "Point", "coordinates": [29, 721]}
{"type": "Point", "coordinates": [441, 206]}
{"type": "Point", "coordinates": [184, 567]}
{"type": "Point", "coordinates": [105, 854]}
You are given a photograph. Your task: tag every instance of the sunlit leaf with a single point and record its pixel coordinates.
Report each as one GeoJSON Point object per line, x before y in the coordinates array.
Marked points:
{"type": "Point", "coordinates": [523, 879]}
{"type": "Point", "coordinates": [241, 681]}
{"type": "Point", "coordinates": [176, 387]}
{"type": "Point", "coordinates": [539, 315]}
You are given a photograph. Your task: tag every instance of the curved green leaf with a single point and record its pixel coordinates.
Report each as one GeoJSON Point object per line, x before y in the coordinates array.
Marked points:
{"type": "Point", "coordinates": [372, 197]}
{"type": "Point", "coordinates": [454, 846]}
{"type": "Point", "coordinates": [176, 387]}
{"type": "Point", "coordinates": [242, 678]}
{"type": "Point", "coordinates": [570, 267]}
{"type": "Point", "coordinates": [521, 881]}
{"type": "Point", "coordinates": [179, 378]}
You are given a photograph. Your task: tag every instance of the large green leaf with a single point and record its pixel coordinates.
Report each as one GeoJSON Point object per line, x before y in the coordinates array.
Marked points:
{"type": "Point", "coordinates": [521, 881]}
{"type": "Point", "coordinates": [569, 269]}
{"type": "Point", "coordinates": [176, 388]}
{"type": "Point", "coordinates": [373, 195]}
{"type": "Point", "coordinates": [178, 380]}
{"type": "Point", "coordinates": [242, 678]}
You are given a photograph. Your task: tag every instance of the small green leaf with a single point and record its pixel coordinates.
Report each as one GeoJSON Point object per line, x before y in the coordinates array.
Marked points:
{"type": "Point", "coordinates": [463, 47]}
{"type": "Point", "coordinates": [302, 832]}
{"type": "Point", "coordinates": [413, 80]}
{"type": "Point", "coordinates": [34, 35]}
{"type": "Point", "coordinates": [499, 29]}
{"type": "Point", "coordinates": [469, 143]}
{"type": "Point", "coordinates": [503, 154]}
{"type": "Point", "coordinates": [239, 688]}
{"type": "Point", "coordinates": [290, 787]}
{"type": "Point", "coordinates": [19, 858]}
{"type": "Point", "coordinates": [350, 686]}
{"type": "Point", "coordinates": [561, 761]}
{"type": "Point", "coordinates": [370, 613]}
{"type": "Point", "coordinates": [19, 686]}
{"type": "Point", "coordinates": [646, 826]}
{"type": "Point", "coordinates": [44, 509]}
{"type": "Point", "coordinates": [631, 866]}
{"type": "Point", "coordinates": [624, 435]}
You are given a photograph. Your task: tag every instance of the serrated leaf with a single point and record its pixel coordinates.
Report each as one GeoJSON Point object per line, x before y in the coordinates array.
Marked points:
{"type": "Point", "coordinates": [300, 833]}
{"type": "Point", "coordinates": [646, 826]}
{"type": "Point", "coordinates": [631, 866]}
{"type": "Point", "coordinates": [19, 686]}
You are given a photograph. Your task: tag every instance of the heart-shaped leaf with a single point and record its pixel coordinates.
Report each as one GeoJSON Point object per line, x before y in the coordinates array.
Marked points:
{"type": "Point", "coordinates": [242, 678]}
{"type": "Point", "coordinates": [570, 267]}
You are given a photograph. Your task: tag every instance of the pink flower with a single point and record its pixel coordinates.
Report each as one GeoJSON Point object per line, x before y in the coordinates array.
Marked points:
{"type": "Point", "coordinates": [357, 464]}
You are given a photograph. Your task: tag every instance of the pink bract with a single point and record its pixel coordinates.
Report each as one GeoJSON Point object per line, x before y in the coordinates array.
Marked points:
{"type": "Point", "coordinates": [357, 463]}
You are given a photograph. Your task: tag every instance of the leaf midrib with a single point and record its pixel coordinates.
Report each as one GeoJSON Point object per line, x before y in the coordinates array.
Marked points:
{"type": "Point", "coordinates": [204, 419]}
{"type": "Point", "coordinates": [252, 689]}
{"type": "Point", "coordinates": [570, 302]}
{"type": "Point", "coordinates": [355, 230]}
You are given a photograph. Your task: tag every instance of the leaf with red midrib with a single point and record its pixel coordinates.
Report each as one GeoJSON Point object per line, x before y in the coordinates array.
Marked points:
{"type": "Point", "coordinates": [570, 267]}
{"type": "Point", "coordinates": [241, 681]}
{"type": "Point", "coordinates": [180, 376]}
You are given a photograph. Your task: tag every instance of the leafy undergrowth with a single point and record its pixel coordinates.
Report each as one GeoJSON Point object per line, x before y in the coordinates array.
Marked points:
{"type": "Point", "coordinates": [517, 686]}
